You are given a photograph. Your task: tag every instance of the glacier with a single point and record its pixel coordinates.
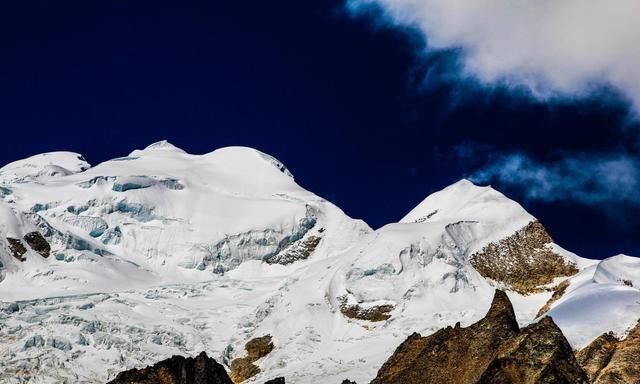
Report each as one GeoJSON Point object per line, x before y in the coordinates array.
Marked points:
{"type": "Point", "coordinates": [163, 252]}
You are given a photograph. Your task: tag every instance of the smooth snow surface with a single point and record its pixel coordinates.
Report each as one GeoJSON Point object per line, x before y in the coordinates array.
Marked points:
{"type": "Point", "coordinates": [44, 165]}
{"type": "Point", "coordinates": [163, 252]}
{"type": "Point", "coordinates": [604, 297]}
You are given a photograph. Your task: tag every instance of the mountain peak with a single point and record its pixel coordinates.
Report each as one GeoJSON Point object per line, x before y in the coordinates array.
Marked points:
{"type": "Point", "coordinates": [485, 352]}
{"type": "Point", "coordinates": [501, 310]}
{"type": "Point", "coordinates": [619, 269]}
{"type": "Point", "coordinates": [163, 145]}
{"type": "Point", "coordinates": [246, 159]}
{"type": "Point", "coordinates": [464, 183]}
{"type": "Point", "coordinates": [465, 201]}
{"type": "Point", "coordinates": [200, 369]}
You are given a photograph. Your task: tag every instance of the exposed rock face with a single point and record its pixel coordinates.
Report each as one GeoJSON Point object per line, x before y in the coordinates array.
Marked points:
{"type": "Point", "coordinates": [597, 355]}
{"type": "Point", "coordinates": [271, 245]}
{"type": "Point", "coordinates": [493, 350]}
{"type": "Point", "coordinates": [38, 243]}
{"type": "Point", "coordinates": [523, 260]}
{"type": "Point", "coordinates": [259, 347]}
{"type": "Point", "coordinates": [300, 250]}
{"type": "Point", "coordinates": [243, 368]}
{"type": "Point", "coordinates": [558, 291]}
{"type": "Point", "coordinates": [539, 354]}
{"type": "Point", "coordinates": [17, 248]}
{"type": "Point", "coordinates": [448, 353]}
{"type": "Point", "coordinates": [608, 360]}
{"type": "Point", "coordinates": [373, 313]}
{"type": "Point", "coordinates": [177, 370]}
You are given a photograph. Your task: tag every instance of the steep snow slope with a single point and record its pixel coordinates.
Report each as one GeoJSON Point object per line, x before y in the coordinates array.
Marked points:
{"type": "Point", "coordinates": [162, 252]}
{"type": "Point", "coordinates": [464, 202]}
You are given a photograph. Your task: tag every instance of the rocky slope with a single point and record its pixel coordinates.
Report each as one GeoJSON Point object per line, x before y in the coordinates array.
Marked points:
{"type": "Point", "coordinates": [243, 368]}
{"type": "Point", "coordinates": [610, 360]}
{"type": "Point", "coordinates": [524, 261]}
{"type": "Point", "coordinates": [493, 350]}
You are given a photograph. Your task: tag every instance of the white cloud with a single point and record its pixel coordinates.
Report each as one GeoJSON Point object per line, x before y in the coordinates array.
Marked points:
{"type": "Point", "coordinates": [562, 48]}
{"type": "Point", "coordinates": [587, 178]}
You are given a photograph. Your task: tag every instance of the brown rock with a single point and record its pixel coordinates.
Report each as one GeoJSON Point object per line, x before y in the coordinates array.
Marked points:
{"type": "Point", "coordinates": [38, 243]}
{"type": "Point", "coordinates": [17, 248]}
{"type": "Point", "coordinates": [177, 370]}
{"type": "Point", "coordinates": [558, 291]}
{"type": "Point", "coordinates": [374, 313]}
{"type": "Point", "coordinates": [243, 368]}
{"type": "Point", "coordinates": [539, 354]}
{"type": "Point", "coordinates": [259, 347]}
{"type": "Point", "coordinates": [493, 350]}
{"type": "Point", "coordinates": [524, 260]}
{"type": "Point", "coordinates": [597, 355]}
{"type": "Point", "coordinates": [608, 360]}
{"type": "Point", "coordinates": [299, 250]}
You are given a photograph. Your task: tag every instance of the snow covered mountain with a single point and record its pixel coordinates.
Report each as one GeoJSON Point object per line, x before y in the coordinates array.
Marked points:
{"type": "Point", "coordinates": [156, 216]}
{"type": "Point", "coordinates": [163, 252]}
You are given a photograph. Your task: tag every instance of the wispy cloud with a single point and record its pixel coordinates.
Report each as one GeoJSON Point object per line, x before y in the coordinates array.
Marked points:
{"type": "Point", "coordinates": [587, 178]}
{"type": "Point", "coordinates": [551, 48]}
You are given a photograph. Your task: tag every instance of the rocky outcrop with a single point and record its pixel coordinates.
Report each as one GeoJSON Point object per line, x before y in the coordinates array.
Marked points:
{"type": "Point", "coordinates": [35, 241]}
{"type": "Point", "coordinates": [259, 347]}
{"type": "Point", "coordinates": [558, 291]}
{"type": "Point", "coordinates": [609, 360]}
{"type": "Point", "coordinates": [448, 353]}
{"type": "Point", "coordinates": [299, 250]}
{"type": "Point", "coordinates": [539, 354]}
{"type": "Point", "coordinates": [524, 261]}
{"type": "Point", "coordinates": [493, 350]}
{"type": "Point", "coordinates": [244, 368]}
{"type": "Point", "coordinates": [597, 355]}
{"type": "Point", "coordinates": [177, 370]}
{"type": "Point", "coordinates": [373, 313]}
{"type": "Point", "coordinates": [38, 243]}
{"type": "Point", "coordinates": [17, 248]}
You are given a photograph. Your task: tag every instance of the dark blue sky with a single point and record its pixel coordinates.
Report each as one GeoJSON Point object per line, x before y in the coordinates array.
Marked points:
{"type": "Point", "coordinates": [337, 99]}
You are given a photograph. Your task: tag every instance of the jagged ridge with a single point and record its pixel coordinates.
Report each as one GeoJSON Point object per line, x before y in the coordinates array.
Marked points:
{"type": "Point", "coordinates": [177, 370]}
{"type": "Point", "coordinates": [493, 350]}
{"type": "Point", "coordinates": [610, 360]}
